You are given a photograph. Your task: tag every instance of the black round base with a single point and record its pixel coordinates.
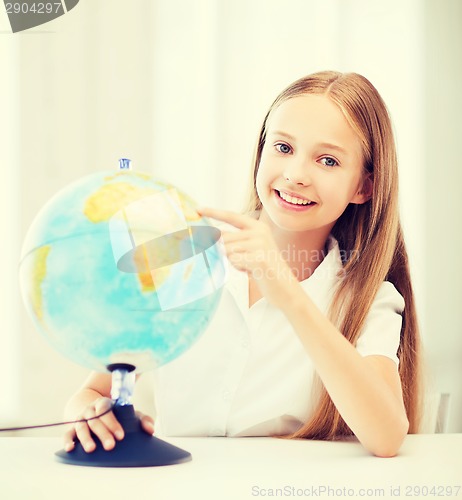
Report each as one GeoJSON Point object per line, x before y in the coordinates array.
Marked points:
{"type": "Point", "coordinates": [137, 449]}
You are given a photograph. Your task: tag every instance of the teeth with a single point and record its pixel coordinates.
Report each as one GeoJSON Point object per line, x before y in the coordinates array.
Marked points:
{"type": "Point", "coordinates": [293, 200]}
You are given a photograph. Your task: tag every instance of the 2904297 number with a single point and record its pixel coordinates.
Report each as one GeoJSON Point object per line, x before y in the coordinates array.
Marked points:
{"type": "Point", "coordinates": [432, 491]}
{"type": "Point", "coordinates": [34, 8]}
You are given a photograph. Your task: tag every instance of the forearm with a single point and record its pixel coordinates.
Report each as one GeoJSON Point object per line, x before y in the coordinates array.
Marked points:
{"type": "Point", "coordinates": [365, 400]}
{"type": "Point", "coordinates": [97, 385]}
{"type": "Point", "coordinates": [79, 401]}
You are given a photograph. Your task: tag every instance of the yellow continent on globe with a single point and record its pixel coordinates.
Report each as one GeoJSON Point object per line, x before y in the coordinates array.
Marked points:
{"type": "Point", "coordinates": [39, 274]}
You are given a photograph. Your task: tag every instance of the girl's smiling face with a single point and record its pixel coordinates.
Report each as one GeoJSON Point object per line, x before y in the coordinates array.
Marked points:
{"type": "Point", "coordinates": [311, 165]}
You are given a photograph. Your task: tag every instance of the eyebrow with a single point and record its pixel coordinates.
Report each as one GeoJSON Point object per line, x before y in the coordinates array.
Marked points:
{"type": "Point", "coordinates": [285, 134]}
{"type": "Point", "coordinates": [328, 145]}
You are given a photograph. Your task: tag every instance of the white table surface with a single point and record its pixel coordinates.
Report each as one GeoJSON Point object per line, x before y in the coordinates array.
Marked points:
{"type": "Point", "coordinates": [241, 468]}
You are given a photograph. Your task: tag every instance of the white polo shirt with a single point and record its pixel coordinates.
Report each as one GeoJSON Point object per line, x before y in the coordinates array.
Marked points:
{"type": "Point", "coordinates": [248, 374]}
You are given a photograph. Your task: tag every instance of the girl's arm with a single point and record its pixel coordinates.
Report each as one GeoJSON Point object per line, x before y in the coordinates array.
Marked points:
{"type": "Point", "coordinates": [93, 399]}
{"type": "Point", "coordinates": [366, 390]}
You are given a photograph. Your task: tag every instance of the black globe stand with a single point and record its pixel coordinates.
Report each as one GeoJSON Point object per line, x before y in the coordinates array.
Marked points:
{"type": "Point", "coordinates": [137, 448]}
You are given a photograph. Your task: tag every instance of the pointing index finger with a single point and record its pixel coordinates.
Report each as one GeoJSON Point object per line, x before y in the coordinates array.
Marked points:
{"type": "Point", "coordinates": [239, 221]}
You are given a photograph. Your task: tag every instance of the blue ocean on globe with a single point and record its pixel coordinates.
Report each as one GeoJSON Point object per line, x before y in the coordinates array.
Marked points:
{"type": "Point", "coordinates": [119, 267]}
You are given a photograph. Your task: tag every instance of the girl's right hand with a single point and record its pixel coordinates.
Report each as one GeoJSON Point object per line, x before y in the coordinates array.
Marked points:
{"type": "Point", "coordinates": [106, 428]}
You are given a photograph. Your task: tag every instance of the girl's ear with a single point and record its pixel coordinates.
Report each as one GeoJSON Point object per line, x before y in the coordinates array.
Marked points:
{"type": "Point", "coordinates": [364, 192]}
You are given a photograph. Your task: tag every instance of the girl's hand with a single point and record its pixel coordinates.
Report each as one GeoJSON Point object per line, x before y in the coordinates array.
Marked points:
{"type": "Point", "coordinates": [252, 249]}
{"type": "Point", "coordinates": [106, 428]}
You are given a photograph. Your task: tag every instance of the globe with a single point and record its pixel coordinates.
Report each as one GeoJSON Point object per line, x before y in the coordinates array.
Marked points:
{"type": "Point", "coordinates": [119, 267]}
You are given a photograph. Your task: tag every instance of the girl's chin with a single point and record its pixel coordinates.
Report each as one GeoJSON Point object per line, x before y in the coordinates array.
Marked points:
{"type": "Point", "coordinates": [287, 221]}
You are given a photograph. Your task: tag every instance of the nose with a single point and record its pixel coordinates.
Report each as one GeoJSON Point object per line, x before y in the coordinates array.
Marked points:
{"type": "Point", "coordinates": [297, 172]}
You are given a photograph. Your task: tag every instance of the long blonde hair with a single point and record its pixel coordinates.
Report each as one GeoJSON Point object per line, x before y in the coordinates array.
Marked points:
{"type": "Point", "coordinates": [371, 230]}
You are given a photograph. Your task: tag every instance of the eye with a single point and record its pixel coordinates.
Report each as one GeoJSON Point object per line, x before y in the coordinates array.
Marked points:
{"type": "Point", "coordinates": [329, 161]}
{"type": "Point", "coordinates": [283, 148]}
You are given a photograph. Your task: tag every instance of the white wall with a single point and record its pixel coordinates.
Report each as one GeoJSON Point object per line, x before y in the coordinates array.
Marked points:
{"type": "Point", "coordinates": [10, 231]}
{"type": "Point", "coordinates": [443, 209]}
{"type": "Point", "coordinates": [181, 87]}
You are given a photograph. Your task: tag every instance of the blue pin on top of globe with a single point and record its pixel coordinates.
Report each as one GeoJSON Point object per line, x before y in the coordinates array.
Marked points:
{"type": "Point", "coordinates": [125, 164]}
{"type": "Point", "coordinates": [118, 270]}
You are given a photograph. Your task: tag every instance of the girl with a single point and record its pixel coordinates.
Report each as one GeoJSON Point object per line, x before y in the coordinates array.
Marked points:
{"type": "Point", "coordinates": [316, 333]}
